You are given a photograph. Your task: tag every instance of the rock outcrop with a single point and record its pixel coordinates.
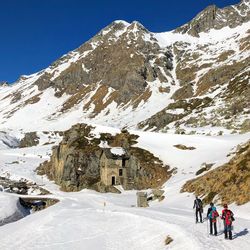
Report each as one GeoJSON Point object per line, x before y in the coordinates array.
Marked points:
{"type": "Point", "coordinates": [118, 57]}
{"type": "Point", "coordinates": [229, 183]}
{"type": "Point", "coordinates": [215, 18]}
{"type": "Point", "coordinates": [75, 163]}
{"type": "Point", "coordinates": [30, 139]}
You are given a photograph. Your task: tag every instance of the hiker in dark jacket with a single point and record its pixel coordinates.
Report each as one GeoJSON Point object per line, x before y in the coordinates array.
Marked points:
{"type": "Point", "coordinates": [212, 215]}
{"type": "Point", "coordinates": [198, 208]}
{"type": "Point", "coordinates": [228, 217]}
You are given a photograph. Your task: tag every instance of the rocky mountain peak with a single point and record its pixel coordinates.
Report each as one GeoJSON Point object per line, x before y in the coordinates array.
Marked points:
{"type": "Point", "coordinates": [215, 18]}
{"type": "Point", "coordinates": [3, 83]}
{"type": "Point", "coordinates": [118, 57]}
{"type": "Point", "coordinates": [127, 76]}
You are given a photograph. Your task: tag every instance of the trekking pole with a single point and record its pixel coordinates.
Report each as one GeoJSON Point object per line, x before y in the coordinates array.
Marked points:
{"type": "Point", "coordinates": [232, 229]}
{"type": "Point", "coordinates": [207, 229]}
{"type": "Point", "coordinates": [104, 206]}
{"type": "Point", "coordinates": [219, 224]}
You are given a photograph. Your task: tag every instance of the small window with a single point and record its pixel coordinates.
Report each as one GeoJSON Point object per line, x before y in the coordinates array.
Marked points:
{"type": "Point", "coordinates": [120, 172]}
{"type": "Point", "coordinates": [123, 162]}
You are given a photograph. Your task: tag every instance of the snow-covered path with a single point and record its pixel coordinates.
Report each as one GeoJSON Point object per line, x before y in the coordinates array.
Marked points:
{"type": "Point", "coordinates": [81, 221]}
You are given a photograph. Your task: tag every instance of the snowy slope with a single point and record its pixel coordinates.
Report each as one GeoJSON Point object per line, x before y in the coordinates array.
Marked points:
{"type": "Point", "coordinates": [23, 99]}
{"type": "Point", "coordinates": [93, 221]}
{"type": "Point", "coordinates": [82, 221]}
{"type": "Point", "coordinates": [8, 205]}
{"type": "Point", "coordinates": [7, 141]}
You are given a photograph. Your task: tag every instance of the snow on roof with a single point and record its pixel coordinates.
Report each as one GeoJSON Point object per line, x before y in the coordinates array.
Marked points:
{"type": "Point", "coordinates": [117, 151]}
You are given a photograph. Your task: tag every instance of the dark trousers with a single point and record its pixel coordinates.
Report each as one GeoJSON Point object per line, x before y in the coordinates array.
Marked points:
{"type": "Point", "coordinates": [198, 211]}
{"type": "Point", "coordinates": [228, 231]}
{"type": "Point", "coordinates": [213, 224]}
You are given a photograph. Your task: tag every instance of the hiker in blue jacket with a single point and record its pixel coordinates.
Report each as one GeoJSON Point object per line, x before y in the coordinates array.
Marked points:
{"type": "Point", "coordinates": [212, 215]}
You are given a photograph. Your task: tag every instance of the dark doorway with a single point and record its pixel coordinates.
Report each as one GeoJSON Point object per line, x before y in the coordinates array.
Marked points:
{"type": "Point", "coordinates": [113, 180]}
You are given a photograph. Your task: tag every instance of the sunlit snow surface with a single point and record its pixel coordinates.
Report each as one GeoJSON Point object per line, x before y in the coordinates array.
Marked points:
{"type": "Point", "coordinates": [93, 221]}
{"type": "Point", "coordinates": [45, 114]}
{"type": "Point", "coordinates": [90, 220]}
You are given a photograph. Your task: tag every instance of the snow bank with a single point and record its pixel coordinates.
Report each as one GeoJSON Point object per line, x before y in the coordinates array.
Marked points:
{"type": "Point", "coordinates": [7, 141]}
{"type": "Point", "coordinates": [8, 205]}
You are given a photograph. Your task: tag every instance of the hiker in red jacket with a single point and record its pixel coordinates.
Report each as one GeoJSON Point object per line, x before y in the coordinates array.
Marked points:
{"type": "Point", "coordinates": [227, 216]}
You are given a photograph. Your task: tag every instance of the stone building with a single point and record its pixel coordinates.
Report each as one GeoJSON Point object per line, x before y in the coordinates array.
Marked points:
{"type": "Point", "coordinates": [114, 166]}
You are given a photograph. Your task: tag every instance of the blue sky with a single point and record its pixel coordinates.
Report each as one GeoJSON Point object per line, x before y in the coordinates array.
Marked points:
{"type": "Point", "coordinates": [34, 33]}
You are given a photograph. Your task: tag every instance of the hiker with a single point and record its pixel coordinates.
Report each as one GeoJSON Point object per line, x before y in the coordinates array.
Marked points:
{"type": "Point", "coordinates": [228, 217]}
{"type": "Point", "coordinates": [198, 208]}
{"type": "Point", "coordinates": [212, 215]}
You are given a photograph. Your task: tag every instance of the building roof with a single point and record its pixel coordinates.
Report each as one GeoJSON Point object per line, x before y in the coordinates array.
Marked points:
{"type": "Point", "coordinates": [115, 153]}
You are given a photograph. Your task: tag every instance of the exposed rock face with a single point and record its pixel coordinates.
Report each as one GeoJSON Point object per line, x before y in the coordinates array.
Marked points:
{"type": "Point", "coordinates": [215, 18]}
{"type": "Point", "coordinates": [122, 64]}
{"type": "Point", "coordinates": [75, 163]}
{"type": "Point", "coordinates": [29, 140]}
{"type": "Point", "coordinates": [168, 115]}
{"type": "Point", "coordinates": [127, 76]}
{"type": "Point", "coordinates": [231, 182]}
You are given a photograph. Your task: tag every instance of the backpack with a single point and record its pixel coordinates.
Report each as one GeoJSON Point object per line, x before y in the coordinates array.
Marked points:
{"type": "Point", "coordinates": [199, 204]}
{"type": "Point", "coordinates": [228, 217]}
{"type": "Point", "coordinates": [214, 215]}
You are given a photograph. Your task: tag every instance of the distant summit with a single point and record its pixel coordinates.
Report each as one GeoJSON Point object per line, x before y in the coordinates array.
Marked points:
{"type": "Point", "coordinates": [215, 18]}
{"type": "Point", "coordinates": [4, 83]}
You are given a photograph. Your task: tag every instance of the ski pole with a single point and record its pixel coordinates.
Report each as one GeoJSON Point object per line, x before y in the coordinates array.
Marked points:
{"type": "Point", "coordinates": [207, 229]}
{"type": "Point", "coordinates": [219, 224]}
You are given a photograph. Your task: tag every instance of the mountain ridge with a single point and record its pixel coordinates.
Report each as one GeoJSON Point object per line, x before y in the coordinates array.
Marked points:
{"type": "Point", "coordinates": [129, 76]}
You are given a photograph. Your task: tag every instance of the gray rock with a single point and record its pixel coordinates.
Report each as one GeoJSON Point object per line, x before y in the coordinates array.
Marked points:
{"type": "Point", "coordinates": [29, 140]}
{"type": "Point", "coordinates": [215, 18]}
{"type": "Point", "coordinates": [142, 199]}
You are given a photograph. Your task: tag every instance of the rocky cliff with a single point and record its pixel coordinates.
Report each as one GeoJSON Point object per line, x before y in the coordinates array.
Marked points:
{"type": "Point", "coordinates": [75, 162]}
{"type": "Point", "coordinates": [215, 18]}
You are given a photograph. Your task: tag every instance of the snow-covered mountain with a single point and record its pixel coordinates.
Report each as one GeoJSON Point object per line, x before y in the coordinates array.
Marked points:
{"type": "Point", "coordinates": [129, 76]}
{"type": "Point", "coordinates": [170, 90]}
